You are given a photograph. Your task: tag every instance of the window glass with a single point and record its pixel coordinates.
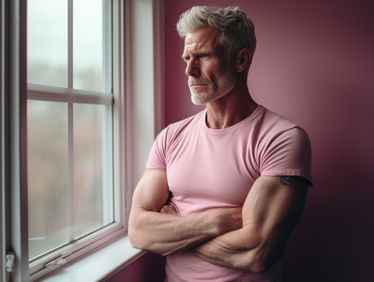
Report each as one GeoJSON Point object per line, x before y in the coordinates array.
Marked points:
{"type": "Point", "coordinates": [92, 187]}
{"type": "Point", "coordinates": [48, 176]}
{"type": "Point", "coordinates": [88, 45]}
{"type": "Point", "coordinates": [47, 29]}
{"type": "Point", "coordinates": [70, 156]}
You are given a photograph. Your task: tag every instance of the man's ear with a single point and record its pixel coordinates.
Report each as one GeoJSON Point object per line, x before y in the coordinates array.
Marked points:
{"type": "Point", "coordinates": [243, 60]}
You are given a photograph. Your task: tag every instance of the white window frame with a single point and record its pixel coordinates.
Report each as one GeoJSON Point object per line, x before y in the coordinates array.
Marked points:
{"type": "Point", "coordinates": [2, 144]}
{"type": "Point", "coordinates": [138, 110]}
{"type": "Point", "coordinates": [72, 96]}
{"type": "Point", "coordinates": [14, 117]}
{"type": "Point", "coordinates": [68, 253]}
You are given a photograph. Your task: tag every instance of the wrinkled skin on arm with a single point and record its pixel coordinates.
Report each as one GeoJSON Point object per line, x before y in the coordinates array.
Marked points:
{"type": "Point", "coordinates": [158, 228]}
{"type": "Point", "coordinates": [270, 213]}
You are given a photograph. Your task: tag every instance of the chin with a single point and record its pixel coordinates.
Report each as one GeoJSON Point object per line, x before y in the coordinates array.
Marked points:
{"type": "Point", "coordinates": [197, 102]}
{"type": "Point", "coordinates": [197, 99]}
{"type": "Point", "coordinates": [200, 101]}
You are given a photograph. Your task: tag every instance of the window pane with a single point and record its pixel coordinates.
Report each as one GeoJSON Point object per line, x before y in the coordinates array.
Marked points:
{"type": "Point", "coordinates": [70, 178]}
{"type": "Point", "coordinates": [88, 44]}
{"type": "Point", "coordinates": [47, 42]}
{"type": "Point", "coordinates": [48, 176]}
{"type": "Point", "coordinates": [93, 197]}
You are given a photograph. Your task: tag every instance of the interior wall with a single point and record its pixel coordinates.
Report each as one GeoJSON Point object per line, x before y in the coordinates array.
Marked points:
{"type": "Point", "coordinates": [314, 65]}
{"type": "Point", "coordinates": [148, 268]}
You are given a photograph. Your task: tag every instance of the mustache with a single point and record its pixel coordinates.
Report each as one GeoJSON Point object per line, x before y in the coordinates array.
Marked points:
{"type": "Point", "coordinates": [192, 81]}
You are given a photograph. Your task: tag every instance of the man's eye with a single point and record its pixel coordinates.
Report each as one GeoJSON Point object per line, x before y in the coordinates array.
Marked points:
{"type": "Point", "coordinates": [205, 56]}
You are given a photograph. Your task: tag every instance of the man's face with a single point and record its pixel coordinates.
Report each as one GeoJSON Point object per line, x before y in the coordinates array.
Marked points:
{"type": "Point", "coordinates": [210, 71]}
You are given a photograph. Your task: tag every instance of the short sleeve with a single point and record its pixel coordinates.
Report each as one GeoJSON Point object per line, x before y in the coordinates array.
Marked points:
{"type": "Point", "coordinates": [289, 153]}
{"type": "Point", "coordinates": [157, 155]}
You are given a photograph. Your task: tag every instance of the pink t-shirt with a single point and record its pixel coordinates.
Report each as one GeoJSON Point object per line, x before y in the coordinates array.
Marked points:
{"type": "Point", "coordinates": [210, 168]}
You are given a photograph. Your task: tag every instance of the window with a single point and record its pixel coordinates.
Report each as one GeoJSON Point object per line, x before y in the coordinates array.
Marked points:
{"type": "Point", "coordinates": [69, 119]}
{"type": "Point", "coordinates": [76, 130]}
{"type": "Point", "coordinates": [70, 129]}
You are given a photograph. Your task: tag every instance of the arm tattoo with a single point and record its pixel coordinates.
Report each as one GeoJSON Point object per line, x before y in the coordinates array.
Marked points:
{"type": "Point", "coordinates": [287, 180]}
{"type": "Point", "coordinates": [293, 180]}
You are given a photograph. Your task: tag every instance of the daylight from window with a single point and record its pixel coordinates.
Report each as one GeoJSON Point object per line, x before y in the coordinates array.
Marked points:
{"type": "Point", "coordinates": [70, 185]}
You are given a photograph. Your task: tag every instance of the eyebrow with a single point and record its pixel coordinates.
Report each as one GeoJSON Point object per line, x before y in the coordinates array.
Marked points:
{"type": "Point", "coordinates": [197, 54]}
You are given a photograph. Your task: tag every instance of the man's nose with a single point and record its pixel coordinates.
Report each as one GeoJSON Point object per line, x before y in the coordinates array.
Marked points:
{"type": "Point", "coordinates": [192, 68]}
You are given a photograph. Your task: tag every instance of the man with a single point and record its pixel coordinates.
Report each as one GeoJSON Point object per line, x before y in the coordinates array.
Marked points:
{"type": "Point", "coordinates": [223, 189]}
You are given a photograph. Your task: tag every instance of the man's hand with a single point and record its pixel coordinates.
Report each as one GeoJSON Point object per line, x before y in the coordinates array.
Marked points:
{"type": "Point", "coordinates": [169, 209]}
{"type": "Point", "coordinates": [230, 219]}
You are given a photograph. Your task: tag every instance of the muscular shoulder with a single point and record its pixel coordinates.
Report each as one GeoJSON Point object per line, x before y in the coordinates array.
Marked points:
{"type": "Point", "coordinates": [273, 123]}
{"type": "Point", "coordinates": [168, 138]}
{"type": "Point", "coordinates": [272, 127]}
{"type": "Point", "coordinates": [174, 130]}
{"type": "Point", "coordinates": [284, 147]}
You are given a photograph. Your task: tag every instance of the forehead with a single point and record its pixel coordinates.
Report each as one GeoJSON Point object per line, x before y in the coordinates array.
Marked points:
{"type": "Point", "coordinates": [202, 38]}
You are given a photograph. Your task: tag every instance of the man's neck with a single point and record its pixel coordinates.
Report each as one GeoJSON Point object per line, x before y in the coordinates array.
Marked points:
{"type": "Point", "coordinates": [229, 110]}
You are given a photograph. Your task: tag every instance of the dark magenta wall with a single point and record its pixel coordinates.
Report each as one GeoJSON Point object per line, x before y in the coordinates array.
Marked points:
{"type": "Point", "coordinates": [314, 64]}
{"type": "Point", "coordinates": [147, 268]}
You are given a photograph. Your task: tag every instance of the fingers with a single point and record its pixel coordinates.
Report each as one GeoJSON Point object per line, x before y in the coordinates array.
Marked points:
{"type": "Point", "coordinates": [168, 209]}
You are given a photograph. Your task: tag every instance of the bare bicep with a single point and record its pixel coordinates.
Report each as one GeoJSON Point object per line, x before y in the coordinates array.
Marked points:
{"type": "Point", "coordinates": [152, 191]}
{"type": "Point", "coordinates": [270, 213]}
{"type": "Point", "coordinates": [274, 206]}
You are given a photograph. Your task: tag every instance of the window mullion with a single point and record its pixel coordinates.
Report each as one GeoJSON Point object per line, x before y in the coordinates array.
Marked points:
{"type": "Point", "coordinates": [107, 46]}
{"type": "Point", "coordinates": [69, 96]}
{"type": "Point", "coordinates": [107, 150]}
{"type": "Point", "coordinates": [70, 44]}
{"type": "Point", "coordinates": [71, 121]}
{"type": "Point", "coordinates": [71, 169]}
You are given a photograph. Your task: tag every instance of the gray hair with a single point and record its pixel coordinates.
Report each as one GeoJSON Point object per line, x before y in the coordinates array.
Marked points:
{"type": "Point", "coordinates": [237, 31]}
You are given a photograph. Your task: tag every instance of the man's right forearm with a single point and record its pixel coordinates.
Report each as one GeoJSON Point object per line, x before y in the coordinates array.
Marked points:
{"type": "Point", "coordinates": [170, 233]}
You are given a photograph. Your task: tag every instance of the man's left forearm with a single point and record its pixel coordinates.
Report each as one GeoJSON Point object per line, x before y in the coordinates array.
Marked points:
{"type": "Point", "coordinates": [234, 249]}
{"type": "Point", "coordinates": [270, 213]}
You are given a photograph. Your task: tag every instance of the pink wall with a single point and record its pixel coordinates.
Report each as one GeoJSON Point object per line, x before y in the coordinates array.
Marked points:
{"type": "Point", "coordinates": [314, 64]}
{"type": "Point", "coordinates": [148, 268]}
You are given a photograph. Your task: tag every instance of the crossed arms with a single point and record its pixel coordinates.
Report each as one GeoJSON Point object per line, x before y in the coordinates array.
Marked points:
{"type": "Point", "coordinates": [252, 237]}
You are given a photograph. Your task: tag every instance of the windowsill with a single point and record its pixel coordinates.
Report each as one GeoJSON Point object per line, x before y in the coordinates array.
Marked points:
{"type": "Point", "coordinates": [100, 264]}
